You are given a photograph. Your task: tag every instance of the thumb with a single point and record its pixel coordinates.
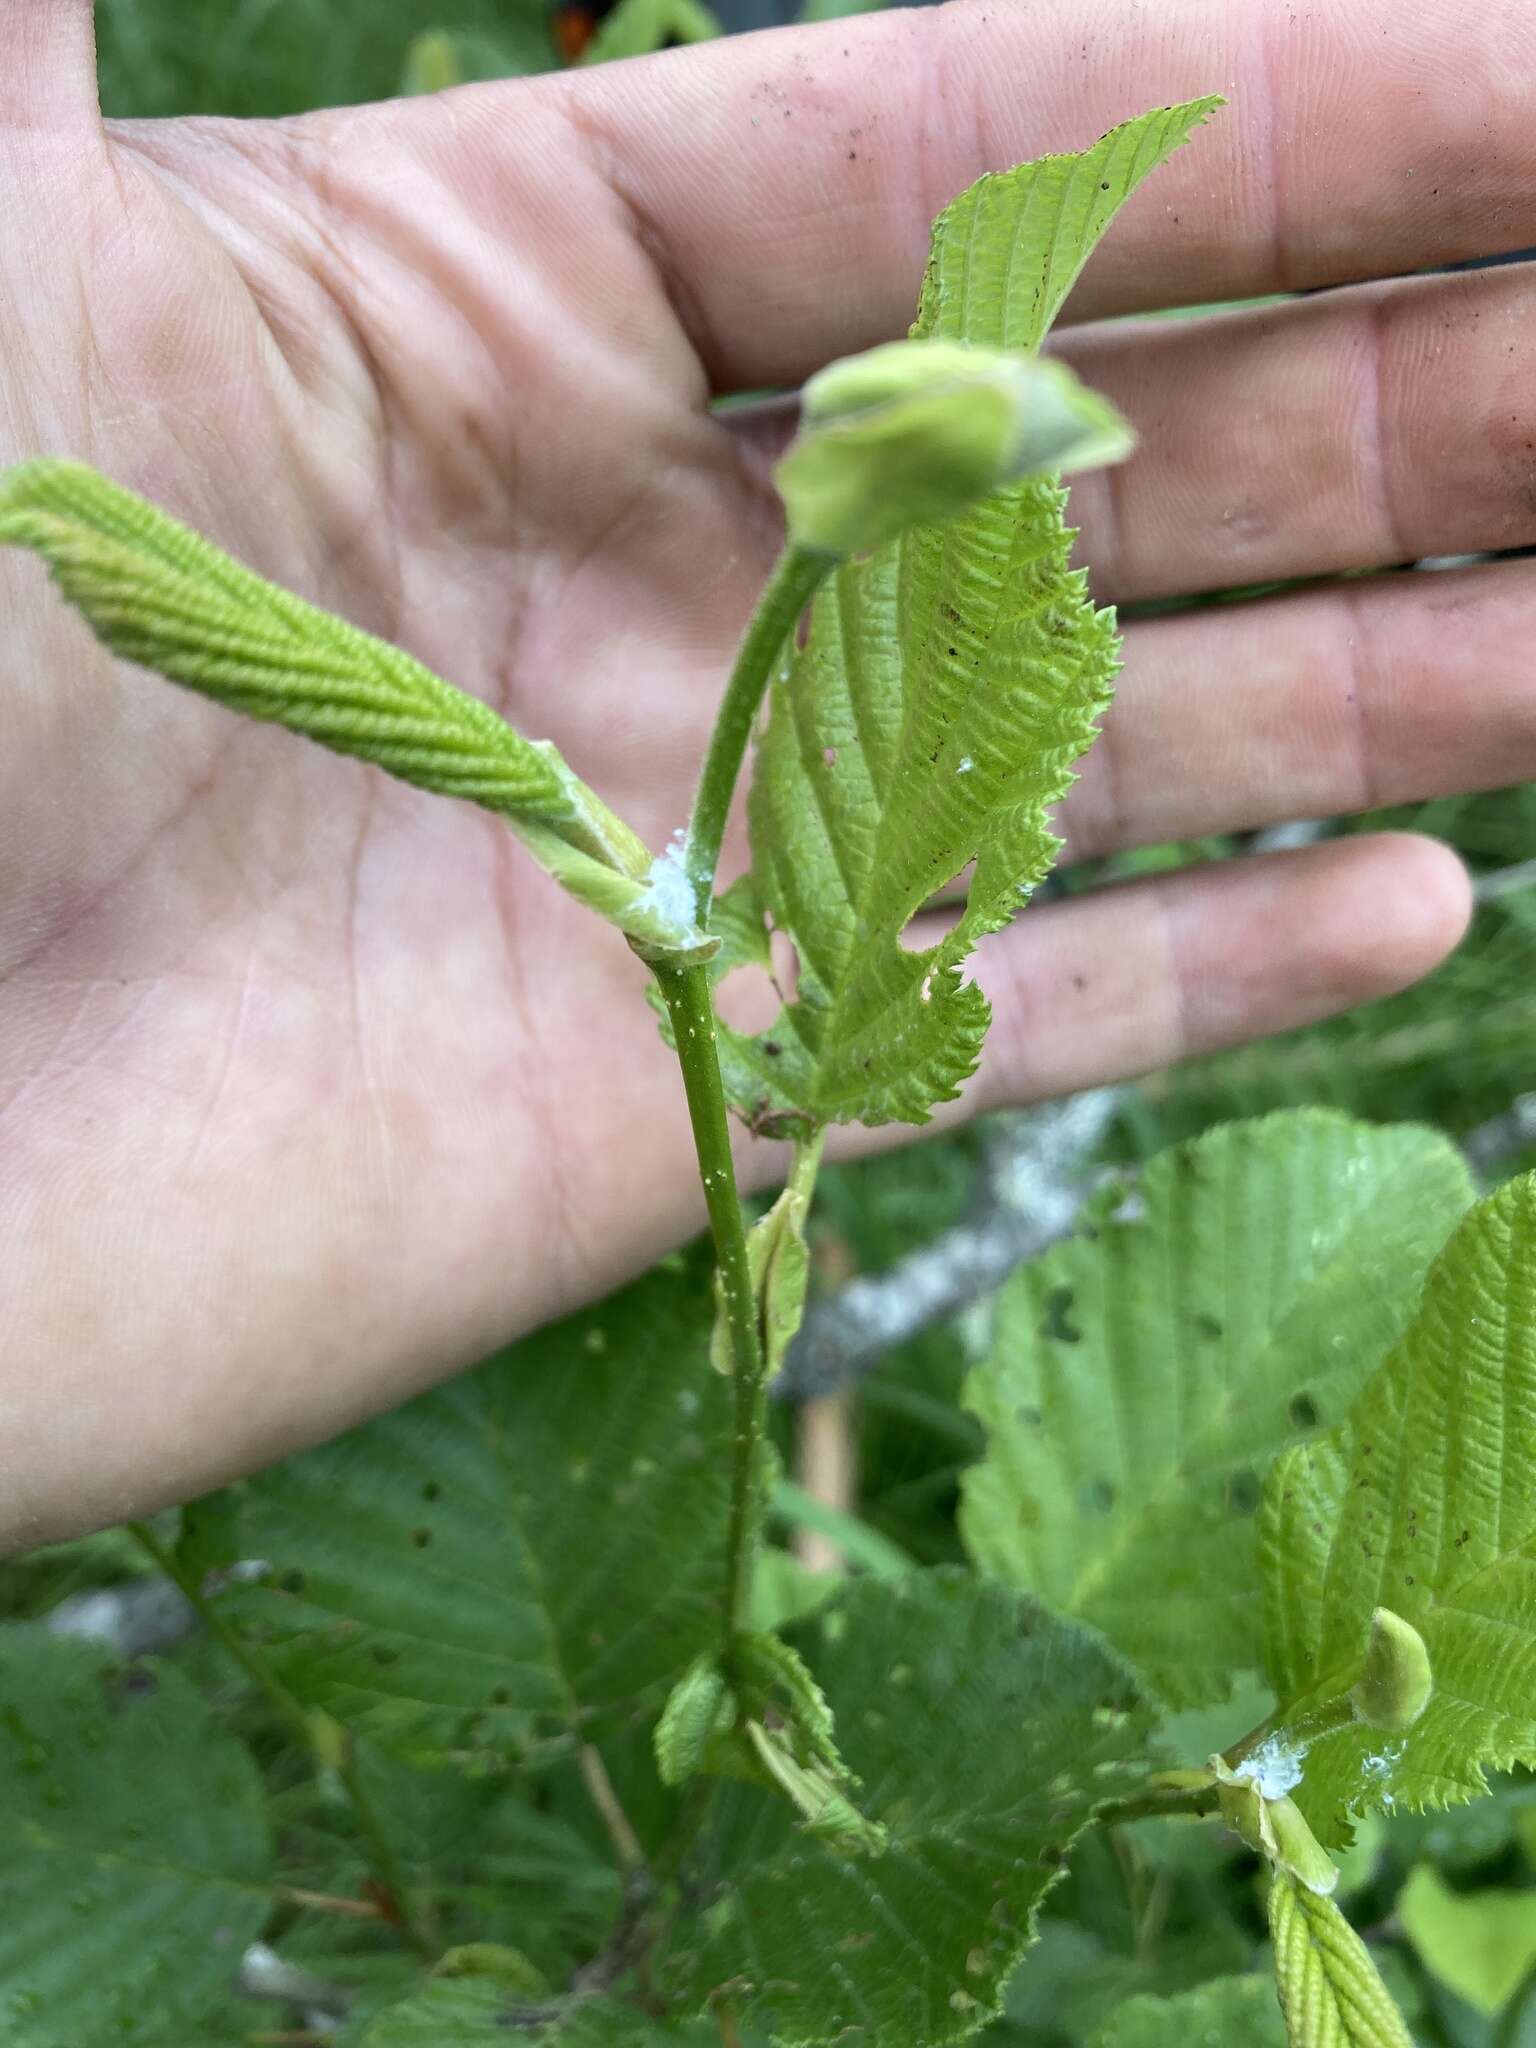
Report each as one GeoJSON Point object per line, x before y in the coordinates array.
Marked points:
{"type": "Point", "coordinates": [47, 66]}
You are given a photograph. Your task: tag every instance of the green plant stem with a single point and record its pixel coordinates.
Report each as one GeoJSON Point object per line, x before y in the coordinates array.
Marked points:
{"type": "Point", "coordinates": [1326, 1719]}
{"type": "Point", "coordinates": [794, 581]}
{"type": "Point", "coordinates": [599, 1789]}
{"type": "Point", "coordinates": [324, 1738]}
{"type": "Point", "coordinates": [1161, 1803]}
{"type": "Point", "coordinates": [689, 1005]}
{"type": "Point", "coordinates": [685, 991]}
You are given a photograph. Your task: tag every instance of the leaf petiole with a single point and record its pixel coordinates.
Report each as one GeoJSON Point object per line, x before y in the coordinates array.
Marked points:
{"type": "Point", "coordinates": [328, 1742]}
{"type": "Point", "coordinates": [796, 577]}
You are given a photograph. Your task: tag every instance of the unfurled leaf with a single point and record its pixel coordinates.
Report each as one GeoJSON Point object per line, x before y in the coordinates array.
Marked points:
{"type": "Point", "coordinates": [1143, 1377]}
{"type": "Point", "coordinates": [771, 1725]}
{"type": "Point", "coordinates": [932, 718]}
{"type": "Point", "coordinates": [135, 1866]}
{"type": "Point", "coordinates": [1330, 1991]}
{"type": "Point", "coordinates": [1481, 1945]}
{"type": "Point", "coordinates": [514, 1552]}
{"type": "Point", "coordinates": [773, 1681]}
{"type": "Point", "coordinates": [1423, 1501]}
{"type": "Point", "coordinates": [1230, 2011]}
{"type": "Point", "coordinates": [984, 1734]}
{"type": "Point", "coordinates": [160, 595]}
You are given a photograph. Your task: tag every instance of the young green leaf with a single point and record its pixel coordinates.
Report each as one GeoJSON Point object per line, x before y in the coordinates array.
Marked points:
{"type": "Point", "coordinates": [136, 1862]}
{"type": "Point", "coordinates": [1421, 1501]}
{"type": "Point", "coordinates": [1230, 2010]}
{"type": "Point", "coordinates": [933, 715]}
{"type": "Point", "coordinates": [1481, 1945]}
{"type": "Point", "coordinates": [985, 1734]}
{"type": "Point", "coordinates": [160, 595]}
{"type": "Point", "coordinates": [689, 1720]}
{"type": "Point", "coordinates": [1143, 1377]}
{"type": "Point", "coordinates": [521, 1549]}
{"type": "Point", "coordinates": [780, 1264]}
{"type": "Point", "coordinates": [1330, 1992]}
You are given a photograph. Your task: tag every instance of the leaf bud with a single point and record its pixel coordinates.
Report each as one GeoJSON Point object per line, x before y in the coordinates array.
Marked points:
{"type": "Point", "coordinates": [914, 432]}
{"type": "Point", "coordinates": [1395, 1686]}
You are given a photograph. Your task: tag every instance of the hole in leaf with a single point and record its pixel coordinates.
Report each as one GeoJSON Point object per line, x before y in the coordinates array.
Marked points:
{"type": "Point", "coordinates": [1245, 1490]}
{"type": "Point", "coordinates": [747, 999]}
{"type": "Point", "coordinates": [786, 964]}
{"type": "Point", "coordinates": [1054, 1323]}
{"type": "Point", "coordinates": [932, 924]}
{"type": "Point", "coordinates": [421, 1538]}
{"type": "Point", "coordinates": [1207, 1325]}
{"type": "Point", "coordinates": [1303, 1411]}
{"type": "Point", "coordinates": [431, 1491]}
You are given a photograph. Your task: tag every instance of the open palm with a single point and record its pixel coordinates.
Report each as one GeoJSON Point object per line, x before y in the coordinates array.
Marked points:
{"type": "Point", "coordinates": [312, 1087]}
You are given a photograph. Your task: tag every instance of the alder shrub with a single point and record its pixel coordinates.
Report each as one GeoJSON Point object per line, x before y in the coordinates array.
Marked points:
{"type": "Point", "coordinates": [1268, 1411]}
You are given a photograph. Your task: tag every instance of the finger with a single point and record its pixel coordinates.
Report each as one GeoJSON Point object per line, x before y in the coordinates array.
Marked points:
{"type": "Point", "coordinates": [784, 183]}
{"type": "Point", "coordinates": [1344, 699]}
{"type": "Point", "coordinates": [47, 65]}
{"type": "Point", "coordinates": [1116, 983]}
{"type": "Point", "coordinates": [1356, 429]}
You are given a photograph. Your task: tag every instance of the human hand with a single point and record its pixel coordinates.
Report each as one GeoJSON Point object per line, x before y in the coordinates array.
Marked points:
{"type": "Point", "coordinates": [312, 1088]}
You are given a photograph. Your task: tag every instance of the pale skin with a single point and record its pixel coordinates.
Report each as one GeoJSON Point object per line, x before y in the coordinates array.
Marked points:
{"type": "Point", "coordinates": [312, 1088]}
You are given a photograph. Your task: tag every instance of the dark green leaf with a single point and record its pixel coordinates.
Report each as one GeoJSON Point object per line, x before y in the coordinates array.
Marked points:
{"type": "Point", "coordinates": [1144, 1376]}
{"type": "Point", "coordinates": [984, 1733]}
{"type": "Point", "coordinates": [1231, 2010]}
{"type": "Point", "coordinates": [515, 1552]}
{"type": "Point", "coordinates": [1421, 1501]}
{"type": "Point", "coordinates": [135, 1867]}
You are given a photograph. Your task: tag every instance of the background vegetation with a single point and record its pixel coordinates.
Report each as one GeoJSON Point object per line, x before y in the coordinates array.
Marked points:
{"type": "Point", "coordinates": [1448, 1903]}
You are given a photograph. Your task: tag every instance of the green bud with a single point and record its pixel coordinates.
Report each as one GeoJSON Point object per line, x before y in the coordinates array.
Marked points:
{"type": "Point", "coordinates": [329, 1740]}
{"type": "Point", "coordinates": [508, 1966]}
{"type": "Point", "coordinates": [689, 1721]}
{"type": "Point", "coordinates": [1395, 1686]}
{"type": "Point", "coordinates": [431, 64]}
{"type": "Point", "coordinates": [913, 433]}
